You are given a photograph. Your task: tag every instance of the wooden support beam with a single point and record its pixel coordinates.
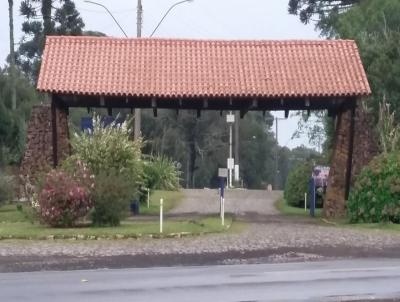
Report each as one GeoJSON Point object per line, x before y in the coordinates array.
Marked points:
{"type": "Point", "coordinates": [254, 104]}
{"type": "Point", "coordinates": [177, 112]}
{"type": "Point", "coordinates": [286, 113]}
{"type": "Point", "coordinates": [198, 113]}
{"type": "Point", "coordinates": [88, 110]}
{"type": "Point", "coordinates": [307, 102]}
{"type": "Point", "coordinates": [102, 101]}
{"type": "Point", "coordinates": [350, 153]}
{"type": "Point", "coordinates": [54, 131]}
{"type": "Point", "coordinates": [243, 113]}
{"type": "Point", "coordinates": [109, 111]}
{"type": "Point", "coordinates": [221, 112]}
{"type": "Point", "coordinates": [264, 112]}
{"type": "Point", "coordinates": [155, 113]}
{"type": "Point", "coordinates": [205, 103]}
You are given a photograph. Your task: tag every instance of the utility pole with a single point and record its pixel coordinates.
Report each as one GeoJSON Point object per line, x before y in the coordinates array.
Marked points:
{"type": "Point", "coordinates": [237, 119]}
{"type": "Point", "coordinates": [12, 56]}
{"type": "Point", "coordinates": [138, 111]}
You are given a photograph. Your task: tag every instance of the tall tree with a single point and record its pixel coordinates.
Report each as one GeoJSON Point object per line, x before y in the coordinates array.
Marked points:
{"type": "Point", "coordinates": [12, 55]}
{"type": "Point", "coordinates": [44, 17]}
{"type": "Point", "coordinates": [375, 25]}
{"type": "Point", "coordinates": [323, 12]}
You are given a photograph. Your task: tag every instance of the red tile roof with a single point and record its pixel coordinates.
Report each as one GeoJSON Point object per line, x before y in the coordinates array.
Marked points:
{"type": "Point", "coordinates": [201, 68]}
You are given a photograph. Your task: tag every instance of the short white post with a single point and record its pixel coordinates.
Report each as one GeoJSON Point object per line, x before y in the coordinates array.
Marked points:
{"type": "Point", "coordinates": [223, 211]}
{"type": "Point", "coordinates": [305, 202]}
{"type": "Point", "coordinates": [148, 198]}
{"type": "Point", "coordinates": [161, 215]}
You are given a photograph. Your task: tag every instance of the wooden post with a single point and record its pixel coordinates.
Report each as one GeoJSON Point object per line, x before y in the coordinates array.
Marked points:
{"type": "Point", "coordinates": [54, 131]}
{"type": "Point", "coordinates": [350, 152]}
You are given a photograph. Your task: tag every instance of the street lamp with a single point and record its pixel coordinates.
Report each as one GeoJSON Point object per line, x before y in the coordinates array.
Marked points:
{"type": "Point", "coordinates": [166, 14]}
{"type": "Point", "coordinates": [138, 113]}
{"type": "Point", "coordinates": [115, 20]}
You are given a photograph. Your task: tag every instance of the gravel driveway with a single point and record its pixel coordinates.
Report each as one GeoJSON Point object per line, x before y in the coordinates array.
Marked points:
{"type": "Point", "coordinates": [270, 237]}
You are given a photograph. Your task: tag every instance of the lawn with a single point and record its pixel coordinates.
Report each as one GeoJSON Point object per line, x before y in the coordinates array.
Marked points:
{"type": "Point", "coordinates": [171, 200]}
{"type": "Point", "coordinates": [286, 209]}
{"type": "Point", "coordinates": [17, 224]}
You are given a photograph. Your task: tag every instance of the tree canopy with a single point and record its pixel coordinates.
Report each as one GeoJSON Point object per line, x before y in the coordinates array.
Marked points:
{"type": "Point", "coordinates": [42, 18]}
{"type": "Point", "coordinates": [323, 12]}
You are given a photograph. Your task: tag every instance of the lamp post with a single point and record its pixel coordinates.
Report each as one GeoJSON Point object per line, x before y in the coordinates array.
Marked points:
{"type": "Point", "coordinates": [166, 14]}
{"type": "Point", "coordinates": [138, 111]}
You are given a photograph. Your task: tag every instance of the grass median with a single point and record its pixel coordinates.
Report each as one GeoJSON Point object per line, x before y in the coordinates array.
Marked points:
{"type": "Point", "coordinates": [16, 224]}
{"type": "Point", "coordinates": [285, 209]}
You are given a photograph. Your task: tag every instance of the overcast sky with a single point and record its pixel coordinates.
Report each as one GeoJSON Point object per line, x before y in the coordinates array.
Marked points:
{"type": "Point", "coordinates": [203, 19]}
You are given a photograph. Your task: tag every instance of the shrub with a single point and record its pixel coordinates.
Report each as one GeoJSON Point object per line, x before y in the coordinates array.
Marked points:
{"type": "Point", "coordinates": [375, 196]}
{"type": "Point", "coordinates": [161, 173]}
{"type": "Point", "coordinates": [63, 199]}
{"type": "Point", "coordinates": [112, 195]}
{"type": "Point", "coordinates": [110, 148]}
{"type": "Point", "coordinates": [297, 184]}
{"type": "Point", "coordinates": [7, 188]}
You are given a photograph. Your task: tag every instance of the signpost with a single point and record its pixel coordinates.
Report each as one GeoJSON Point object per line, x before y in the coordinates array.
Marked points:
{"type": "Point", "coordinates": [222, 174]}
{"type": "Point", "coordinates": [230, 119]}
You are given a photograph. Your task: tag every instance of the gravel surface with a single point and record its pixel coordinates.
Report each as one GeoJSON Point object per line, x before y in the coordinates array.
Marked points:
{"type": "Point", "coordinates": [272, 236]}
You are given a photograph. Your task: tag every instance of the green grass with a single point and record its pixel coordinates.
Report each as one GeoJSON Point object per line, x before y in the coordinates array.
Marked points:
{"type": "Point", "coordinates": [286, 209]}
{"type": "Point", "coordinates": [171, 200]}
{"type": "Point", "coordinates": [9, 213]}
{"type": "Point", "coordinates": [16, 225]}
{"type": "Point", "coordinates": [26, 230]}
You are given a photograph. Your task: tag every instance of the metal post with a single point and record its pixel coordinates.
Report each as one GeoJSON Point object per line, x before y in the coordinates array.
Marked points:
{"type": "Point", "coordinates": [138, 111]}
{"type": "Point", "coordinates": [305, 202]}
{"type": "Point", "coordinates": [161, 215]}
{"type": "Point", "coordinates": [276, 154]}
{"type": "Point", "coordinates": [230, 152]}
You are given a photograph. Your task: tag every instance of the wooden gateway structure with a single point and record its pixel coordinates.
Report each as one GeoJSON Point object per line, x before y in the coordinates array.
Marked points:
{"type": "Point", "coordinates": [204, 75]}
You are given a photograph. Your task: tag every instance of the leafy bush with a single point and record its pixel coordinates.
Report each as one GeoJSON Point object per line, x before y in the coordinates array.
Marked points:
{"type": "Point", "coordinates": [112, 195]}
{"type": "Point", "coordinates": [297, 184]}
{"type": "Point", "coordinates": [109, 148]}
{"type": "Point", "coordinates": [161, 173]}
{"type": "Point", "coordinates": [64, 198]}
{"type": "Point", "coordinates": [7, 188]}
{"type": "Point", "coordinates": [376, 193]}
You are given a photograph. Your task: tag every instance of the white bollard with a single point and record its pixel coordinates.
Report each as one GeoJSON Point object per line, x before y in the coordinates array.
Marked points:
{"type": "Point", "coordinates": [161, 215]}
{"type": "Point", "coordinates": [305, 202]}
{"type": "Point", "coordinates": [148, 198]}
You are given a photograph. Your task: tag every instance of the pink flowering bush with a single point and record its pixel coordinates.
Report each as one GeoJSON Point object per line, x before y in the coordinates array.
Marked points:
{"type": "Point", "coordinates": [65, 198]}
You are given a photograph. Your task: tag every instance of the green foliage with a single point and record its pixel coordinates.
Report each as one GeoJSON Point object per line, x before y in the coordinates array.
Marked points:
{"type": "Point", "coordinates": [375, 25]}
{"type": "Point", "coordinates": [297, 184]}
{"type": "Point", "coordinates": [389, 132]}
{"type": "Point", "coordinates": [13, 122]}
{"type": "Point", "coordinates": [112, 194]}
{"type": "Point", "coordinates": [109, 148]}
{"type": "Point", "coordinates": [325, 12]}
{"type": "Point", "coordinates": [376, 193]}
{"type": "Point", "coordinates": [7, 188]}
{"type": "Point", "coordinates": [161, 173]}
{"type": "Point", "coordinates": [44, 17]}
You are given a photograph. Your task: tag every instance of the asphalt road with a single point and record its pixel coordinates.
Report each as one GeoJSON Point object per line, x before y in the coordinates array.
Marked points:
{"type": "Point", "coordinates": [350, 280]}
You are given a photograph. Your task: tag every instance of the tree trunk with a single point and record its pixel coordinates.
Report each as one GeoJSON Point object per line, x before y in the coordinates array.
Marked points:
{"type": "Point", "coordinates": [12, 56]}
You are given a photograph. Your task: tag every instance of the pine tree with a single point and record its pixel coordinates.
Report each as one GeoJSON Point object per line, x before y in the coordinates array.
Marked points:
{"type": "Point", "coordinates": [44, 17]}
